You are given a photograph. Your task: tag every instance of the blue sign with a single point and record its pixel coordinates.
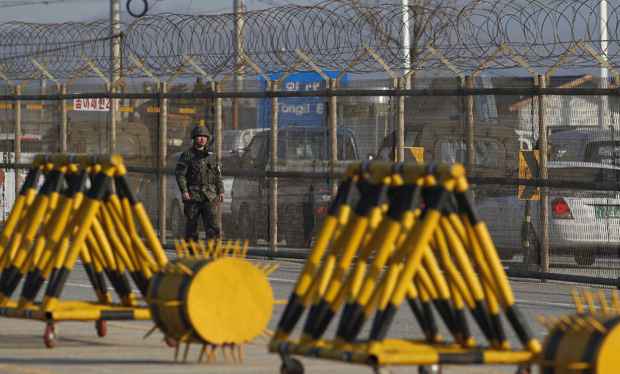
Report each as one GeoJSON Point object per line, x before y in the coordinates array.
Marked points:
{"type": "Point", "coordinates": [297, 111]}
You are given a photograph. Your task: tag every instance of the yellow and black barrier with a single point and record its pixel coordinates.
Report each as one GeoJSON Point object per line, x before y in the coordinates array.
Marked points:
{"type": "Point", "coordinates": [213, 296]}
{"type": "Point", "coordinates": [83, 210]}
{"type": "Point", "coordinates": [412, 234]}
{"type": "Point", "coordinates": [586, 341]}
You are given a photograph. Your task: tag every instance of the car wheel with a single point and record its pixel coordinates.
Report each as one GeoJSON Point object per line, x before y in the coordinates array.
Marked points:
{"type": "Point", "coordinates": [585, 259]}
{"type": "Point", "coordinates": [531, 255]}
{"type": "Point", "coordinates": [293, 239]}
{"type": "Point", "coordinates": [291, 228]}
{"type": "Point", "coordinates": [506, 254]}
{"type": "Point", "coordinates": [246, 224]}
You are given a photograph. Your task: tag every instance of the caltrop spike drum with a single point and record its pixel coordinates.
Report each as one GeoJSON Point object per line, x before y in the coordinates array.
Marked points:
{"type": "Point", "coordinates": [223, 301]}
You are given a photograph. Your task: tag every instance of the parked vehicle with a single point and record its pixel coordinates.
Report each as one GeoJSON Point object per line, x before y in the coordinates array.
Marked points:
{"type": "Point", "coordinates": [302, 202]}
{"type": "Point", "coordinates": [496, 146]}
{"type": "Point", "coordinates": [235, 142]}
{"type": "Point", "coordinates": [31, 145]}
{"type": "Point", "coordinates": [583, 224]}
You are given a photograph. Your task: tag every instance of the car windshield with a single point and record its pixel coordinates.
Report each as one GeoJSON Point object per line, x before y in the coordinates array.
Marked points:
{"type": "Point", "coordinates": [606, 152]}
{"type": "Point", "coordinates": [487, 152]}
{"type": "Point", "coordinates": [312, 145]}
{"type": "Point", "coordinates": [299, 145]}
{"type": "Point", "coordinates": [230, 141]}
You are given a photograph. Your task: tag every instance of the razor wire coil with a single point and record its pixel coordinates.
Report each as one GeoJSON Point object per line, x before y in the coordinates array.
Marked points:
{"type": "Point", "coordinates": [334, 34]}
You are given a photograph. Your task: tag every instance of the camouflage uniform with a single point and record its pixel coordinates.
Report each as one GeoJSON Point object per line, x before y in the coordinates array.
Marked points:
{"type": "Point", "coordinates": [197, 174]}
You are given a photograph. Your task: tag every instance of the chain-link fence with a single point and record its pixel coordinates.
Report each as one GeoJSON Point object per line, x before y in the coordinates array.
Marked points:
{"type": "Point", "coordinates": [293, 94]}
{"type": "Point", "coordinates": [550, 197]}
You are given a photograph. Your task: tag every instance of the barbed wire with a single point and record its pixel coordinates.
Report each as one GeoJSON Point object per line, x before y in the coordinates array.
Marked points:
{"type": "Point", "coordinates": [333, 34]}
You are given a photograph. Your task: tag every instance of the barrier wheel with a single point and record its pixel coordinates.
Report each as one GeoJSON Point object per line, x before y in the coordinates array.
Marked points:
{"type": "Point", "coordinates": [291, 366]}
{"type": "Point", "coordinates": [49, 335]}
{"type": "Point", "coordinates": [170, 342]}
{"type": "Point", "coordinates": [102, 328]}
{"type": "Point", "coordinates": [429, 369]}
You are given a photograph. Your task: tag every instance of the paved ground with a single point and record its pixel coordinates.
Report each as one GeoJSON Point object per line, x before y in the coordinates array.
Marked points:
{"type": "Point", "coordinates": [124, 350]}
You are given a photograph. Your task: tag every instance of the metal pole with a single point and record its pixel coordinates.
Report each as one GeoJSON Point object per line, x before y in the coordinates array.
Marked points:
{"type": "Point", "coordinates": [43, 92]}
{"type": "Point", "coordinates": [604, 110]}
{"type": "Point", "coordinates": [471, 150]}
{"type": "Point", "coordinates": [18, 137]}
{"type": "Point", "coordinates": [63, 120]}
{"type": "Point", "coordinates": [273, 217]}
{"type": "Point", "coordinates": [404, 83]}
{"type": "Point", "coordinates": [238, 76]}
{"type": "Point", "coordinates": [333, 135]}
{"type": "Point", "coordinates": [544, 198]}
{"type": "Point", "coordinates": [218, 143]}
{"type": "Point", "coordinates": [530, 257]}
{"type": "Point", "coordinates": [115, 67]}
{"type": "Point", "coordinates": [405, 38]}
{"type": "Point", "coordinates": [400, 130]}
{"type": "Point", "coordinates": [161, 164]}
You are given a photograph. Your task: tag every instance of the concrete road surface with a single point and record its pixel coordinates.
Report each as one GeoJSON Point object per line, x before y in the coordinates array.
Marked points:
{"type": "Point", "coordinates": [124, 350]}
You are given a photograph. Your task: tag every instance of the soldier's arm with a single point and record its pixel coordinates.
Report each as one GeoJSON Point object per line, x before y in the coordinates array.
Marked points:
{"type": "Point", "coordinates": [181, 173]}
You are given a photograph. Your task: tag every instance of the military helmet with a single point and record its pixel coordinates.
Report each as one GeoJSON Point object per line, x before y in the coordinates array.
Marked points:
{"type": "Point", "coordinates": [200, 131]}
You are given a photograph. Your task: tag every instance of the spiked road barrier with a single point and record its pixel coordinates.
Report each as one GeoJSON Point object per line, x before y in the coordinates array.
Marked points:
{"type": "Point", "coordinates": [211, 295]}
{"type": "Point", "coordinates": [53, 226]}
{"type": "Point", "coordinates": [412, 235]}
{"type": "Point", "coordinates": [586, 341]}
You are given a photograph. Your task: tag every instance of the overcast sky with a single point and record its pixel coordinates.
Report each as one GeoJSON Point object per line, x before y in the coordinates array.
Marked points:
{"type": "Point", "coordinates": [88, 10]}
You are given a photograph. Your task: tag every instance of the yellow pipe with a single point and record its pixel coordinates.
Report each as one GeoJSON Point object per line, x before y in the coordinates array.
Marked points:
{"type": "Point", "coordinates": [459, 283]}
{"type": "Point", "coordinates": [118, 225]}
{"type": "Point", "coordinates": [376, 268]}
{"type": "Point", "coordinates": [156, 249]}
{"type": "Point", "coordinates": [103, 243]}
{"type": "Point", "coordinates": [88, 212]}
{"type": "Point", "coordinates": [320, 277]}
{"type": "Point", "coordinates": [459, 253]}
{"type": "Point", "coordinates": [107, 261]}
{"type": "Point", "coordinates": [112, 235]}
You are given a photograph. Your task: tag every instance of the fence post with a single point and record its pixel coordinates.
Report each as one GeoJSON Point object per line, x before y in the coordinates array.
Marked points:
{"type": "Point", "coordinates": [42, 102]}
{"type": "Point", "coordinates": [400, 130]}
{"type": "Point", "coordinates": [273, 208]}
{"type": "Point", "coordinates": [544, 198]}
{"type": "Point", "coordinates": [63, 120]}
{"type": "Point", "coordinates": [333, 135]}
{"type": "Point", "coordinates": [471, 148]}
{"type": "Point", "coordinates": [218, 144]}
{"type": "Point", "coordinates": [161, 164]}
{"type": "Point", "coordinates": [18, 137]}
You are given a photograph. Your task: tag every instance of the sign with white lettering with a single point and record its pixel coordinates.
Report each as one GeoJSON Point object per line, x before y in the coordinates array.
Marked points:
{"type": "Point", "coordinates": [298, 111]}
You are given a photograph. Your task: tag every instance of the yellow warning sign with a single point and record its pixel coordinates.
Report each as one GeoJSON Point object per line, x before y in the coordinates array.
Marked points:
{"type": "Point", "coordinates": [152, 109]}
{"type": "Point", "coordinates": [125, 109]}
{"type": "Point", "coordinates": [529, 169]}
{"type": "Point", "coordinates": [187, 110]}
{"type": "Point", "coordinates": [4, 106]}
{"type": "Point", "coordinates": [417, 153]}
{"type": "Point", "coordinates": [34, 107]}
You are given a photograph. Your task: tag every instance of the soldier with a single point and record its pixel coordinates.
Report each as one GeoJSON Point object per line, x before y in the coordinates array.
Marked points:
{"type": "Point", "coordinates": [200, 182]}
